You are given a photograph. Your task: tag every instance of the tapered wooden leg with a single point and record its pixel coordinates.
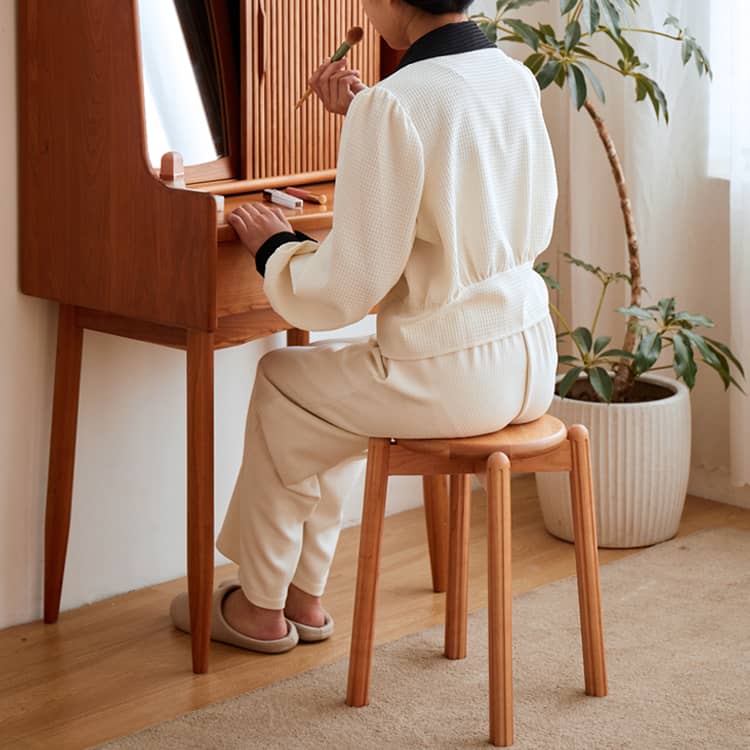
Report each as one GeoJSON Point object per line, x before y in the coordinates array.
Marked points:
{"type": "Point", "coordinates": [62, 453]}
{"type": "Point", "coordinates": [200, 490]}
{"type": "Point", "coordinates": [457, 598]}
{"type": "Point", "coordinates": [296, 337]}
{"type": "Point", "coordinates": [500, 585]}
{"type": "Point", "coordinates": [587, 562]}
{"type": "Point", "coordinates": [371, 533]}
{"type": "Point", "coordinates": [435, 490]}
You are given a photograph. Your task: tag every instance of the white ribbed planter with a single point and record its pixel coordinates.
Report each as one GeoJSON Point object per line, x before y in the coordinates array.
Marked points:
{"type": "Point", "coordinates": [640, 457]}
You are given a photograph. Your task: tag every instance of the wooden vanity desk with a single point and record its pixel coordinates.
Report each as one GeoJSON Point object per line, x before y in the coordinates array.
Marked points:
{"type": "Point", "coordinates": [123, 253]}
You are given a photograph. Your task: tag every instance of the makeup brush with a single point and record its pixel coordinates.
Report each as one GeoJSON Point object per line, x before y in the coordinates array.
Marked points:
{"type": "Point", "coordinates": [353, 37]}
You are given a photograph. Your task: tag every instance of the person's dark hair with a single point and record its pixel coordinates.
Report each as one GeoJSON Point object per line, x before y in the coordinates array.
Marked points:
{"type": "Point", "coordinates": [437, 7]}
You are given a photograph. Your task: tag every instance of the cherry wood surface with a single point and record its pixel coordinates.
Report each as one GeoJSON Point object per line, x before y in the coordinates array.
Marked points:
{"type": "Point", "coordinates": [97, 229]}
{"type": "Point", "coordinates": [532, 443]}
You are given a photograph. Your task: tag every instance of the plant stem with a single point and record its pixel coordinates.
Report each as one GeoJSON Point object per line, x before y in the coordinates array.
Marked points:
{"type": "Point", "coordinates": [568, 329]}
{"type": "Point", "coordinates": [656, 33]}
{"type": "Point", "coordinates": [624, 376]}
{"type": "Point", "coordinates": [599, 307]}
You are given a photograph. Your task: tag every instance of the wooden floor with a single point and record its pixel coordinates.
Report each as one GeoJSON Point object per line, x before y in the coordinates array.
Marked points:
{"type": "Point", "coordinates": [114, 667]}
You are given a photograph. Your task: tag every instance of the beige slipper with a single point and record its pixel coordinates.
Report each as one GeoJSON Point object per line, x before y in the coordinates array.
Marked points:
{"type": "Point", "coordinates": [222, 631]}
{"type": "Point", "coordinates": [307, 633]}
{"type": "Point", "coordinates": [312, 634]}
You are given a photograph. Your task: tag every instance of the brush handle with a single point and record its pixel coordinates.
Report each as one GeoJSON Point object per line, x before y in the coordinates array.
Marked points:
{"type": "Point", "coordinates": [337, 55]}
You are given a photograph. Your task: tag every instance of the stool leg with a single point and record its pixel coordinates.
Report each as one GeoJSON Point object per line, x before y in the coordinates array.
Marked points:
{"type": "Point", "coordinates": [436, 517]}
{"type": "Point", "coordinates": [587, 562]}
{"type": "Point", "coordinates": [296, 337]}
{"type": "Point", "coordinates": [371, 533]}
{"type": "Point", "coordinates": [500, 600]}
{"type": "Point", "coordinates": [200, 491]}
{"type": "Point", "coordinates": [62, 453]}
{"type": "Point", "coordinates": [457, 599]}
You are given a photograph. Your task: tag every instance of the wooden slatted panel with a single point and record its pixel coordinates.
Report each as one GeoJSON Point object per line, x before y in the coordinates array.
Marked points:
{"type": "Point", "coordinates": [290, 38]}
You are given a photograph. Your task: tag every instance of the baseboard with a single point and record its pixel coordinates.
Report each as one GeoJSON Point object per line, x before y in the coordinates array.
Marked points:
{"type": "Point", "coordinates": [715, 484]}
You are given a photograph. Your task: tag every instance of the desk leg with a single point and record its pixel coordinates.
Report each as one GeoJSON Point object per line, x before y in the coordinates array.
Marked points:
{"type": "Point", "coordinates": [296, 337]}
{"type": "Point", "coordinates": [62, 453]}
{"type": "Point", "coordinates": [200, 490]}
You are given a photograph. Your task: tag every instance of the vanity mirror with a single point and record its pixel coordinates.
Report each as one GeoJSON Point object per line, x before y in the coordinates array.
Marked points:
{"type": "Point", "coordinates": [190, 59]}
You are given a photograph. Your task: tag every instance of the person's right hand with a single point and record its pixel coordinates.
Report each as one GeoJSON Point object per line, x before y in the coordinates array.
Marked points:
{"type": "Point", "coordinates": [336, 85]}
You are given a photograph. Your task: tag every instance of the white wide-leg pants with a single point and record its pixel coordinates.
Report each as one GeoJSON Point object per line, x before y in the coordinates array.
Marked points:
{"type": "Point", "coordinates": [311, 413]}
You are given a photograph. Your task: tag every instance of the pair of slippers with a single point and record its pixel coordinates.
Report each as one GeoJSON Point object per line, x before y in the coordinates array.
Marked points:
{"type": "Point", "coordinates": [223, 632]}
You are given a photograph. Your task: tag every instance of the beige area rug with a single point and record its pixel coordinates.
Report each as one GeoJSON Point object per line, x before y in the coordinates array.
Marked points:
{"type": "Point", "coordinates": [677, 634]}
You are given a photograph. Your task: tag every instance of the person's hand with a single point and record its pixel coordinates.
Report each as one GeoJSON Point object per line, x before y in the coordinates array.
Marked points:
{"type": "Point", "coordinates": [256, 222]}
{"type": "Point", "coordinates": [336, 85]}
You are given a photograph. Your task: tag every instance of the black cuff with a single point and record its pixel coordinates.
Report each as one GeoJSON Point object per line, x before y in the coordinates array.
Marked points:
{"type": "Point", "coordinates": [273, 243]}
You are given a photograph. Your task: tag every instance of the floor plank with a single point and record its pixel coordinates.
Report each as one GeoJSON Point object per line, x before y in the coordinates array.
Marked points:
{"type": "Point", "coordinates": [111, 668]}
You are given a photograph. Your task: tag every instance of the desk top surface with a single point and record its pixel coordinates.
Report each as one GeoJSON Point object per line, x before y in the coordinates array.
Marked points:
{"type": "Point", "coordinates": [311, 216]}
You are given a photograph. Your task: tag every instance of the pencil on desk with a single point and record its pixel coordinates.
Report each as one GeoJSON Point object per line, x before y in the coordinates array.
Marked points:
{"type": "Point", "coordinates": [353, 37]}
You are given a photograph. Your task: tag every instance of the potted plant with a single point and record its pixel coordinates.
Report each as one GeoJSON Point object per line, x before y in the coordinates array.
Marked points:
{"type": "Point", "coordinates": [639, 421]}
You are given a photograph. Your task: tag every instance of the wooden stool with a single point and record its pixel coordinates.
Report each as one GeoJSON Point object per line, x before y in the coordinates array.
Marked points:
{"type": "Point", "coordinates": [543, 445]}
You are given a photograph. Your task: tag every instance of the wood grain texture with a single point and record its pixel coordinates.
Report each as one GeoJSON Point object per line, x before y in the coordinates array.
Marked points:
{"type": "Point", "coordinates": [289, 143]}
{"type": "Point", "coordinates": [435, 497]}
{"type": "Point", "coordinates": [113, 238]}
{"type": "Point", "coordinates": [368, 569]}
{"type": "Point", "coordinates": [587, 563]}
{"type": "Point", "coordinates": [516, 440]}
{"type": "Point", "coordinates": [200, 491]}
{"type": "Point", "coordinates": [457, 597]}
{"type": "Point", "coordinates": [116, 666]}
{"type": "Point", "coordinates": [61, 457]}
{"type": "Point", "coordinates": [500, 591]}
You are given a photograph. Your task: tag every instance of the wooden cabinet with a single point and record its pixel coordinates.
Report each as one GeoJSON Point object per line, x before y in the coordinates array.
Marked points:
{"type": "Point", "coordinates": [286, 42]}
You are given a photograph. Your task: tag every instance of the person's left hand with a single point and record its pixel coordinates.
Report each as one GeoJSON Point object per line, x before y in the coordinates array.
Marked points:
{"type": "Point", "coordinates": [256, 222]}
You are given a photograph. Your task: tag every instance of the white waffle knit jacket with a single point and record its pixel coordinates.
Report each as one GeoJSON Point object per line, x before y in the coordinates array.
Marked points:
{"type": "Point", "coordinates": [445, 194]}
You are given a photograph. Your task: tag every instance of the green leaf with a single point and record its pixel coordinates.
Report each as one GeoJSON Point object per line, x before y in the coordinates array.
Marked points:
{"type": "Point", "coordinates": [612, 15]}
{"type": "Point", "coordinates": [572, 35]}
{"type": "Point", "coordinates": [648, 351]}
{"type": "Point", "coordinates": [577, 83]}
{"type": "Point", "coordinates": [618, 353]}
{"type": "Point", "coordinates": [535, 61]}
{"type": "Point", "coordinates": [594, 80]}
{"type": "Point", "coordinates": [581, 263]}
{"type": "Point", "coordinates": [636, 312]}
{"type": "Point", "coordinates": [526, 32]}
{"type": "Point", "coordinates": [684, 362]}
{"type": "Point", "coordinates": [727, 352]}
{"type": "Point", "coordinates": [601, 383]}
{"type": "Point", "coordinates": [548, 73]}
{"type": "Point", "coordinates": [541, 269]}
{"type": "Point", "coordinates": [693, 320]}
{"type": "Point", "coordinates": [567, 382]}
{"type": "Point", "coordinates": [710, 357]}
{"type": "Point", "coordinates": [582, 337]}
{"type": "Point", "coordinates": [567, 5]}
{"type": "Point", "coordinates": [601, 342]}
{"type": "Point", "coordinates": [591, 15]}
{"type": "Point", "coordinates": [666, 308]}
{"type": "Point", "coordinates": [490, 31]}
{"type": "Point", "coordinates": [566, 359]}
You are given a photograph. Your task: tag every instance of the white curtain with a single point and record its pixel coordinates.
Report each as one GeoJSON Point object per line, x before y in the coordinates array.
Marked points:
{"type": "Point", "coordinates": [737, 108]}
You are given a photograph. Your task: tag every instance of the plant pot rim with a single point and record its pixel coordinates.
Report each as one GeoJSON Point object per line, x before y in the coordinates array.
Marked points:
{"type": "Point", "coordinates": [678, 391]}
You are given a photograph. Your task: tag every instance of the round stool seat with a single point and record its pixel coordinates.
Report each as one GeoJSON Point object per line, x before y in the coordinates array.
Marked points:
{"type": "Point", "coordinates": [515, 441]}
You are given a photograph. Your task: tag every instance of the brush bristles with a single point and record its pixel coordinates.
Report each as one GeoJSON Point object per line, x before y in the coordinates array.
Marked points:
{"type": "Point", "coordinates": [354, 35]}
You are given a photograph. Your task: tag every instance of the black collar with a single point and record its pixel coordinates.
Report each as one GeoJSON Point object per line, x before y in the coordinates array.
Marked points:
{"type": "Point", "coordinates": [450, 39]}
